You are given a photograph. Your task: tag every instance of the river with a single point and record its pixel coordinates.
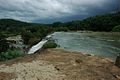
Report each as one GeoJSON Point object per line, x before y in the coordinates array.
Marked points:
{"type": "Point", "coordinates": [102, 44]}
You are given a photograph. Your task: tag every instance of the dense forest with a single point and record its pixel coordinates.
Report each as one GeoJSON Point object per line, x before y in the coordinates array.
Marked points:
{"type": "Point", "coordinates": [105, 22]}
{"type": "Point", "coordinates": [33, 33]}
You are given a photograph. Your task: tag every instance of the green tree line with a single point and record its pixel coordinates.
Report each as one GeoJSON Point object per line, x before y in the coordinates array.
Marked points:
{"type": "Point", "coordinates": [33, 33]}
{"type": "Point", "coordinates": [96, 23]}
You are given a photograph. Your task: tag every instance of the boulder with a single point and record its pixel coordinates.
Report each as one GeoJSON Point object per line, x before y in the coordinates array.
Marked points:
{"type": "Point", "coordinates": [117, 62]}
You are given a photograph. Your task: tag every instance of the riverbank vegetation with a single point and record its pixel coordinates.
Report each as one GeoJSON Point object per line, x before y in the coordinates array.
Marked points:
{"type": "Point", "coordinates": [116, 29]}
{"type": "Point", "coordinates": [32, 33]}
{"type": "Point", "coordinates": [10, 54]}
{"type": "Point", "coordinates": [49, 44]}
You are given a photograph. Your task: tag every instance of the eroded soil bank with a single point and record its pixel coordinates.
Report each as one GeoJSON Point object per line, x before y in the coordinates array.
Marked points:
{"type": "Point", "coordinates": [58, 64]}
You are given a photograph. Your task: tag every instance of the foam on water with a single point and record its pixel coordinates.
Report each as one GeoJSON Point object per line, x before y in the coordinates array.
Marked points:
{"type": "Point", "coordinates": [37, 47]}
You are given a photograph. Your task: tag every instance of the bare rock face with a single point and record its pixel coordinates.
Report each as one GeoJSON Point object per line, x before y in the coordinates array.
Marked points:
{"type": "Point", "coordinates": [117, 62]}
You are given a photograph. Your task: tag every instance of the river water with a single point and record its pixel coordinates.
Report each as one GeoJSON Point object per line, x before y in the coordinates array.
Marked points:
{"type": "Point", "coordinates": [91, 43]}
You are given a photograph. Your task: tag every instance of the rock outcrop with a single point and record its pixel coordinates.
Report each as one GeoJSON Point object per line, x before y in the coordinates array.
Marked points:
{"type": "Point", "coordinates": [58, 64]}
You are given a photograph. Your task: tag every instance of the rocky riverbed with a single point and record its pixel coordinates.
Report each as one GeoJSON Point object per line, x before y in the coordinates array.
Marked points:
{"type": "Point", "coordinates": [58, 64]}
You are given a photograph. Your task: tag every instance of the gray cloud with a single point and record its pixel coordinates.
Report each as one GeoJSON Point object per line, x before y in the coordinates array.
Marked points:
{"type": "Point", "coordinates": [38, 10]}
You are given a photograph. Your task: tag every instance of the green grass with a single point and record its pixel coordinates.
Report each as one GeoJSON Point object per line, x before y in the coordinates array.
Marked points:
{"type": "Point", "coordinates": [50, 44]}
{"type": "Point", "coordinates": [10, 54]}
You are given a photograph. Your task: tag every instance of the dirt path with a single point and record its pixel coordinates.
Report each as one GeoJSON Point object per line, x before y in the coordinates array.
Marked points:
{"type": "Point", "coordinates": [58, 64]}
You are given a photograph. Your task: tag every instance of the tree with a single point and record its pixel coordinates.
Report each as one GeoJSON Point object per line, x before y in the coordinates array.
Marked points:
{"type": "Point", "coordinates": [4, 46]}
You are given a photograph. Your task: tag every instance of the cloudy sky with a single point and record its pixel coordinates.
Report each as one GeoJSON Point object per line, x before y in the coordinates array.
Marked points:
{"type": "Point", "coordinates": [54, 10]}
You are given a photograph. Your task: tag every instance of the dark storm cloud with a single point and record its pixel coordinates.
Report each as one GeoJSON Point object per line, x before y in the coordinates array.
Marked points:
{"type": "Point", "coordinates": [51, 10]}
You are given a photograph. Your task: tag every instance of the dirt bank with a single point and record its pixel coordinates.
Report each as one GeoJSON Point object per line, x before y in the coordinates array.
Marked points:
{"type": "Point", "coordinates": [58, 64]}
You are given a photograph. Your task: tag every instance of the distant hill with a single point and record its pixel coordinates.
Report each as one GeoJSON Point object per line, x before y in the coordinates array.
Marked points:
{"type": "Point", "coordinates": [102, 23]}
{"type": "Point", "coordinates": [105, 22]}
{"type": "Point", "coordinates": [96, 23]}
{"type": "Point", "coordinates": [9, 24]}
{"type": "Point", "coordinates": [4, 23]}
{"type": "Point", "coordinates": [9, 27]}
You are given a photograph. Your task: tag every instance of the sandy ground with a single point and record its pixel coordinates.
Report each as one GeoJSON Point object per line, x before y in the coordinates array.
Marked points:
{"type": "Point", "coordinates": [58, 64]}
{"type": "Point", "coordinates": [35, 70]}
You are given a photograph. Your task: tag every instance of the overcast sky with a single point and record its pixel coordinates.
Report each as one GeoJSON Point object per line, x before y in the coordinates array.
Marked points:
{"type": "Point", "coordinates": [54, 10]}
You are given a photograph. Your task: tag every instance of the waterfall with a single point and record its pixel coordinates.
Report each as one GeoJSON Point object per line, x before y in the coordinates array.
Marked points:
{"type": "Point", "coordinates": [38, 46]}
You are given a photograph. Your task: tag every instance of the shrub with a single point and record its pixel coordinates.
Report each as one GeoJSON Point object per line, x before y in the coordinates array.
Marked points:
{"type": "Point", "coordinates": [26, 36]}
{"type": "Point", "coordinates": [10, 54]}
{"type": "Point", "coordinates": [116, 28]}
{"type": "Point", "coordinates": [49, 45]}
{"type": "Point", "coordinates": [34, 41]}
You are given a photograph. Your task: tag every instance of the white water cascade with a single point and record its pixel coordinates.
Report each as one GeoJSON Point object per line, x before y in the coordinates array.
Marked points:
{"type": "Point", "coordinates": [39, 45]}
